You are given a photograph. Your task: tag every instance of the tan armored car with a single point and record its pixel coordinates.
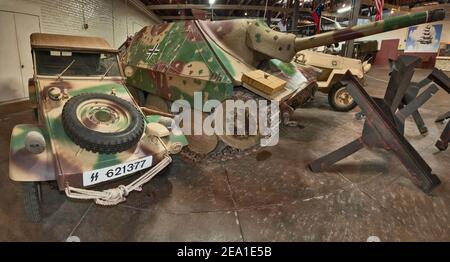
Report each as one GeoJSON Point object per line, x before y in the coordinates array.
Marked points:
{"type": "Point", "coordinates": [332, 68]}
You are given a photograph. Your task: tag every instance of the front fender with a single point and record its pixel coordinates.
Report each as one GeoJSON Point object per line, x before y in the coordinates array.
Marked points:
{"type": "Point", "coordinates": [325, 86]}
{"type": "Point", "coordinates": [25, 166]}
{"type": "Point", "coordinates": [173, 138]}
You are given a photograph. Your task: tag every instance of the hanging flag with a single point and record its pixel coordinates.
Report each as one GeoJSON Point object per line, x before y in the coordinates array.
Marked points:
{"type": "Point", "coordinates": [379, 5]}
{"type": "Point", "coordinates": [316, 16]}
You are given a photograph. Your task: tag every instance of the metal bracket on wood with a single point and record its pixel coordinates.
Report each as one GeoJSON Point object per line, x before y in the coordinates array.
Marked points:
{"type": "Point", "coordinates": [383, 127]}
{"type": "Point", "coordinates": [442, 143]}
{"type": "Point", "coordinates": [443, 81]}
{"type": "Point", "coordinates": [436, 76]}
{"type": "Point", "coordinates": [442, 117]}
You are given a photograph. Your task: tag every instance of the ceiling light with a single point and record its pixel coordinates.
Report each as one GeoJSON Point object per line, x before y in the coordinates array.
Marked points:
{"type": "Point", "coordinates": [344, 9]}
{"type": "Point", "coordinates": [245, 13]}
{"type": "Point", "coordinates": [211, 2]}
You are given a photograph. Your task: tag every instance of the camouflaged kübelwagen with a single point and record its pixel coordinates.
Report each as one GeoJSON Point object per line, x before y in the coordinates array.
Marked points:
{"type": "Point", "coordinates": [90, 130]}
{"type": "Point", "coordinates": [171, 61]}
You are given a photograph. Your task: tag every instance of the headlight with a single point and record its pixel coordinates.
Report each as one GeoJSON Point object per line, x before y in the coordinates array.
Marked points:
{"type": "Point", "coordinates": [366, 67]}
{"type": "Point", "coordinates": [129, 71]}
{"type": "Point", "coordinates": [35, 142]}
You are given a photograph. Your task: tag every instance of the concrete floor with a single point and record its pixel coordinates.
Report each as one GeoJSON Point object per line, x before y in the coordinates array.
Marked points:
{"type": "Point", "coordinates": [275, 199]}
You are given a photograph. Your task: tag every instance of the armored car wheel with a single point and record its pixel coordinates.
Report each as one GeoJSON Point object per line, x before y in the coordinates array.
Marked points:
{"type": "Point", "coordinates": [102, 123]}
{"type": "Point", "coordinates": [31, 203]}
{"type": "Point", "coordinates": [339, 98]}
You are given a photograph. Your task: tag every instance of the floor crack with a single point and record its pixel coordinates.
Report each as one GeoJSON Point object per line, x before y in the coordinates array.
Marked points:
{"type": "Point", "coordinates": [356, 185]}
{"type": "Point", "coordinates": [236, 213]}
{"type": "Point", "coordinates": [81, 220]}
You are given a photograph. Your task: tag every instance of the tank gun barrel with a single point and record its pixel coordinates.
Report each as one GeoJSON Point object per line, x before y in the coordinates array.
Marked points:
{"type": "Point", "coordinates": [373, 28]}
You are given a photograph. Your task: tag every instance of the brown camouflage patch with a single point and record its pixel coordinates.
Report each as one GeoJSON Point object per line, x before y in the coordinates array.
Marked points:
{"type": "Point", "coordinates": [221, 29]}
{"type": "Point", "coordinates": [309, 73]}
{"type": "Point", "coordinates": [158, 29]}
{"type": "Point", "coordinates": [176, 67]}
{"type": "Point", "coordinates": [192, 33]}
{"type": "Point", "coordinates": [159, 79]}
{"type": "Point", "coordinates": [68, 164]}
{"type": "Point", "coordinates": [344, 34]}
{"type": "Point", "coordinates": [26, 161]}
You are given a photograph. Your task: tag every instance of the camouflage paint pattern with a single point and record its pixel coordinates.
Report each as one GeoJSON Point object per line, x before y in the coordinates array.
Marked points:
{"type": "Point", "coordinates": [389, 24]}
{"type": "Point", "coordinates": [216, 49]}
{"type": "Point", "coordinates": [173, 60]}
{"type": "Point", "coordinates": [62, 159]}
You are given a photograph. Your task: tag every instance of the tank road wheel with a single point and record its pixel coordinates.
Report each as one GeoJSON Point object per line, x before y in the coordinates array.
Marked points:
{"type": "Point", "coordinates": [201, 144]}
{"type": "Point", "coordinates": [339, 98]}
{"type": "Point", "coordinates": [200, 147]}
{"type": "Point", "coordinates": [31, 201]}
{"type": "Point", "coordinates": [225, 147]}
{"type": "Point", "coordinates": [246, 141]}
{"type": "Point", "coordinates": [102, 123]}
{"type": "Point", "coordinates": [157, 103]}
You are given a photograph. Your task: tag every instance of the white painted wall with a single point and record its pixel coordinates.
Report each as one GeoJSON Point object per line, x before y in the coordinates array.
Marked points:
{"type": "Point", "coordinates": [112, 20]}
{"type": "Point", "coordinates": [127, 21]}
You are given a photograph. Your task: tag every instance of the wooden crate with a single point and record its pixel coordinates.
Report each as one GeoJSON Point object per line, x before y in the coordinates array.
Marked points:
{"type": "Point", "coordinates": [263, 82]}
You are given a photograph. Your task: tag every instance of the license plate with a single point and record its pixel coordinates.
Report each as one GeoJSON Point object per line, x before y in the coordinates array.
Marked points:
{"type": "Point", "coordinates": [112, 172]}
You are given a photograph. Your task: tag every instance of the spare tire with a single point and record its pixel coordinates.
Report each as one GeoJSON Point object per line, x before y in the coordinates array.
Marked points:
{"type": "Point", "coordinates": [102, 123]}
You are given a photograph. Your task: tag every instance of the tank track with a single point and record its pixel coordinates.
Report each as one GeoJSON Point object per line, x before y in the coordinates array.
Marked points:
{"type": "Point", "coordinates": [224, 152]}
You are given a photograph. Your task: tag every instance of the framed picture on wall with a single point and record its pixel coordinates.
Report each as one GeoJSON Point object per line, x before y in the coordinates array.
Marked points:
{"type": "Point", "coordinates": [444, 50]}
{"type": "Point", "coordinates": [423, 38]}
{"type": "Point", "coordinates": [443, 57]}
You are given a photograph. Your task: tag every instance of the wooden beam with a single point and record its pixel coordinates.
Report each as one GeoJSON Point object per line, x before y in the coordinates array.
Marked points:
{"type": "Point", "coordinates": [189, 17]}
{"type": "Point", "coordinates": [231, 11]}
{"type": "Point", "coordinates": [371, 2]}
{"type": "Point", "coordinates": [143, 8]}
{"type": "Point", "coordinates": [222, 7]}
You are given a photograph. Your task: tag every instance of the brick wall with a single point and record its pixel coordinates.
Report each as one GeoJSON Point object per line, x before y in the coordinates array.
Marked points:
{"type": "Point", "coordinates": [109, 19]}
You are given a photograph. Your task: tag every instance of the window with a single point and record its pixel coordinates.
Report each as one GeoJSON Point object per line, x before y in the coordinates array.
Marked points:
{"type": "Point", "coordinates": [54, 62]}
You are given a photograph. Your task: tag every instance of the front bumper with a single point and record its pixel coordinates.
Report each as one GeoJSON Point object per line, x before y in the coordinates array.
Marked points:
{"type": "Point", "coordinates": [114, 196]}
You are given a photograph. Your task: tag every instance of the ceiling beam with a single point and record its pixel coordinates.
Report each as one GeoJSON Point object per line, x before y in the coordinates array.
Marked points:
{"type": "Point", "coordinates": [141, 7]}
{"type": "Point", "coordinates": [231, 11]}
{"type": "Point", "coordinates": [222, 7]}
{"type": "Point", "coordinates": [371, 2]}
{"type": "Point", "coordinates": [189, 17]}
